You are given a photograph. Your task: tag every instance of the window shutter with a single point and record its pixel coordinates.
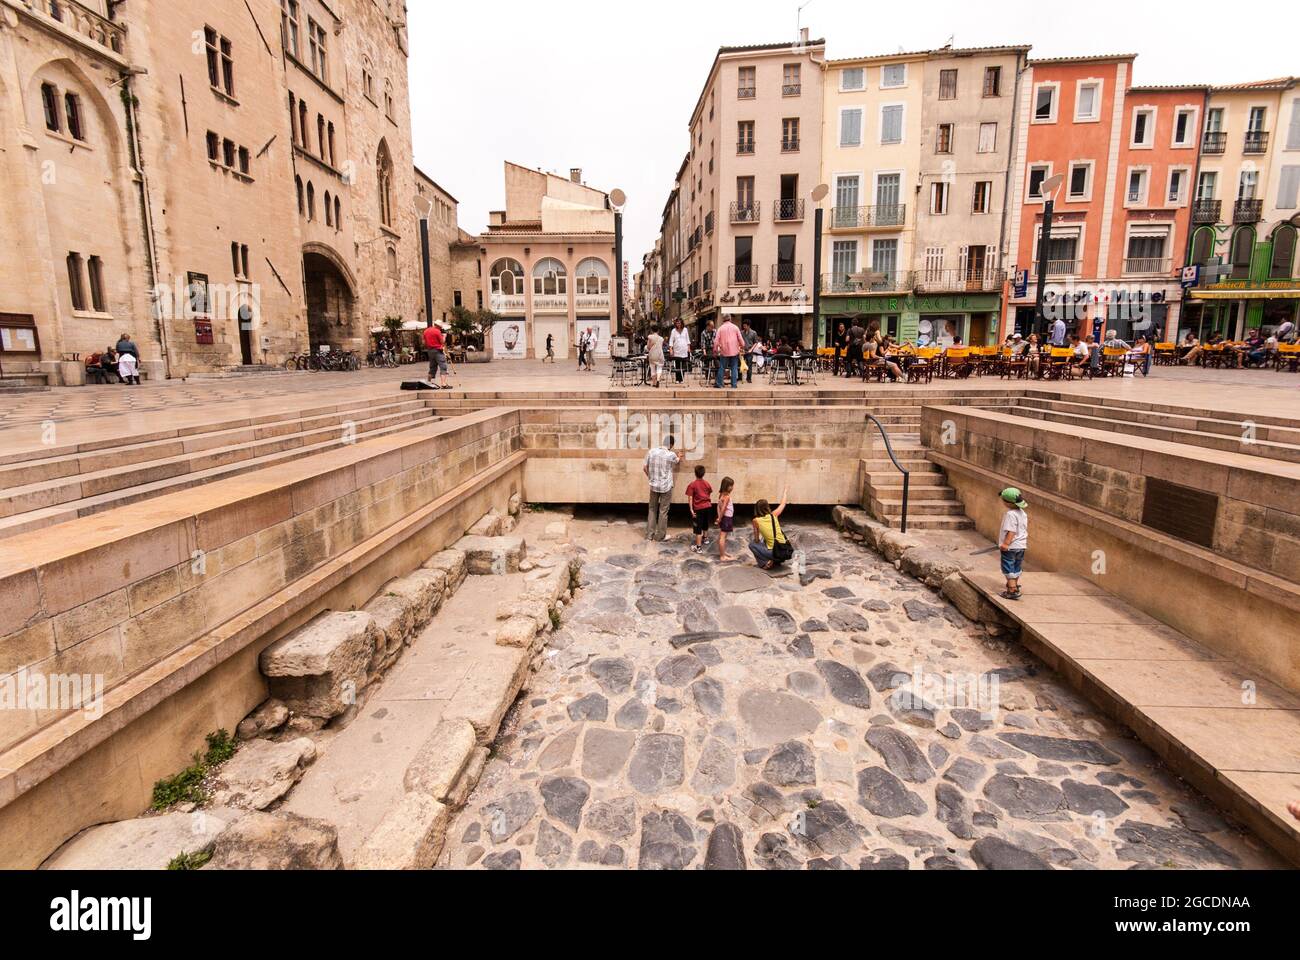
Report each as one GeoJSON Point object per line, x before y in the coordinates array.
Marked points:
{"type": "Point", "coordinates": [1293, 134]}
{"type": "Point", "coordinates": [1288, 191]}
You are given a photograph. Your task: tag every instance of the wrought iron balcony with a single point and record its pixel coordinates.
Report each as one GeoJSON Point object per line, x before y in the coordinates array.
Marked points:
{"type": "Point", "coordinates": [1256, 142]}
{"type": "Point", "coordinates": [1148, 265]}
{"type": "Point", "coordinates": [749, 212]}
{"type": "Point", "coordinates": [745, 148]}
{"type": "Point", "coordinates": [1059, 268]}
{"type": "Point", "coordinates": [861, 218]}
{"type": "Point", "coordinates": [791, 89]}
{"type": "Point", "coordinates": [869, 282]}
{"type": "Point", "coordinates": [785, 274]}
{"type": "Point", "coordinates": [1248, 211]}
{"type": "Point", "coordinates": [1207, 211]}
{"type": "Point", "coordinates": [1214, 141]}
{"type": "Point", "coordinates": [709, 220]}
{"type": "Point", "coordinates": [746, 93]}
{"type": "Point", "coordinates": [788, 211]}
{"type": "Point", "coordinates": [790, 145]}
{"type": "Point", "coordinates": [742, 275]}
{"type": "Point", "coordinates": [957, 280]}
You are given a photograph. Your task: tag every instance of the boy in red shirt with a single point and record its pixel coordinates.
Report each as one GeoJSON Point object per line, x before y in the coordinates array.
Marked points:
{"type": "Point", "coordinates": [700, 496]}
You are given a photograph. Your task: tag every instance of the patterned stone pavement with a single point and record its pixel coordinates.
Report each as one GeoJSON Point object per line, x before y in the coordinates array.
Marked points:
{"type": "Point", "coordinates": [693, 716]}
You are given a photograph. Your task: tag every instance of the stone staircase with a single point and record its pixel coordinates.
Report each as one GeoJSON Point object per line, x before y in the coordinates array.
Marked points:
{"type": "Point", "coordinates": [932, 504]}
{"type": "Point", "coordinates": [42, 488]}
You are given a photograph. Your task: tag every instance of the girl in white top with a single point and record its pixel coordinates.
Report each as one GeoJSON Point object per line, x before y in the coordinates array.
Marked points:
{"type": "Point", "coordinates": [655, 355]}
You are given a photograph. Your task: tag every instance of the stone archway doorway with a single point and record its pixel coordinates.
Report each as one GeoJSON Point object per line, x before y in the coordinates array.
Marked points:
{"type": "Point", "coordinates": [331, 304]}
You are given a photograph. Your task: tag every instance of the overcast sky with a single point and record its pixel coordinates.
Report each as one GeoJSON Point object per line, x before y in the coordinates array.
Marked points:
{"type": "Point", "coordinates": [609, 85]}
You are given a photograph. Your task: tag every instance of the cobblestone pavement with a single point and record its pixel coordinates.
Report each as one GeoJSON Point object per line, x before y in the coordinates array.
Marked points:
{"type": "Point", "coordinates": [690, 715]}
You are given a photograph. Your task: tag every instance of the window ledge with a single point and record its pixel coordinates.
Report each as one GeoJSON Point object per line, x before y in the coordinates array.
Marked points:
{"type": "Point", "coordinates": [92, 315]}
{"type": "Point", "coordinates": [288, 55]}
{"type": "Point", "coordinates": [223, 96]}
{"type": "Point", "coordinates": [67, 139]}
{"type": "Point", "coordinates": [389, 231]}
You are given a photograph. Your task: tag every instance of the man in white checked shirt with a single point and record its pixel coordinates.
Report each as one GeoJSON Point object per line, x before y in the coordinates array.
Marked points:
{"type": "Point", "coordinates": [660, 469]}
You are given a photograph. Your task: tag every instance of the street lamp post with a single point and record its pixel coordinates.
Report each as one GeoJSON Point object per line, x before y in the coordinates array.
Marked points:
{"type": "Point", "coordinates": [818, 195]}
{"type": "Point", "coordinates": [425, 211]}
{"type": "Point", "coordinates": [1048, 191]}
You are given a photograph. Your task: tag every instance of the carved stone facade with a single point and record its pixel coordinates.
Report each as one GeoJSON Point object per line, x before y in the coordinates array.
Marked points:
{"type": "Point", "coordinates": [229, 184]}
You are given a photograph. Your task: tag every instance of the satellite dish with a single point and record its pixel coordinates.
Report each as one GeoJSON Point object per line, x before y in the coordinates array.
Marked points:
{"type": "Point", "coordinates": [618, 198]}
{"type": "Point", "coordinates": [820, 192]}
{"type": "Point", "coordinates": [1051, 185]}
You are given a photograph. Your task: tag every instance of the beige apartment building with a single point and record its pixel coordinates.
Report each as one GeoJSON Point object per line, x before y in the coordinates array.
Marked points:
{"type": "Point", "coordinates": [227, 183]}
{"type": "Point", "coordinates": [549, 265]}
{"type": "Point", "coordinates": [745, 193]}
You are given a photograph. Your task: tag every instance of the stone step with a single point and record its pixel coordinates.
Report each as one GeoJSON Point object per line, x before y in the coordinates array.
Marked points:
{"type": "Point", "coordinates": [884, 480]}
{"type": "Point", "coordinates": [34, 496]}
{"type": "Point", "coordinates": [918, 508]}
{"type": "Point", "coordinates": [930, 523]}
{"type": "Point", "coordinates": [64, 465]}
{"type": "Point", "coordinates": [61, 513]}
{"type": "Point", "coordinates": [917, 492]}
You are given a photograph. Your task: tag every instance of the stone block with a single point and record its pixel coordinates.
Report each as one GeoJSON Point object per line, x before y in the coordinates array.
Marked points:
{"type": "Point", "coordinates": [931, 566]}
{"type": "Point", "coordinates": [559, 530]}
{"type": "Point", "coordinates": [147, 843]}
{"type": "Point", "coordinates": [530, 608]}
{"type": "Point", "coordinates": [262, 772]}
{"type": "Point", "coordinates": [422, 592]}
{"type": "Point", "coordinates": [517, 632]}
{"type": "Point", "coordinates": [452, 564]}
{"type": "Point", "coordinates": [276, 841]}
{"type": "Point", "coordinates": [489, 525]}
{"type": "Point", "coordinates": [410, 836]}
{"type": "Point", "coordinates": [959, 592]}
{"type": "Point", "coordinates": [469, 778]}
{"type": "Point", "coordinates": [516, 504]}
{"type": "Point", "coordinates": [442, 759]}
{"type": "Point", "coordinates": [894, 544]}
{"type": "Point", "coordinates": [319, 669]}
{"type": "Point", "coordinates": [395, 618]}
{"type": "Point", "coordinates": [493, 556]}
{"type": "Point", "coordinates": [265, 720]}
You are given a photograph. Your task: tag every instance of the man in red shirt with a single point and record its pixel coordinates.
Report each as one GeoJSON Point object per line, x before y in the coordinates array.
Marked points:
{"type": "Point", "coordinates": [436, 347]}
{"type": "Point", "coordinates": [700, 496]}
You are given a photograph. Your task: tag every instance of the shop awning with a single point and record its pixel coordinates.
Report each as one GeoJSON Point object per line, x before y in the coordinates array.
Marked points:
{"type": "Point", "coordinates": [1245, 294]}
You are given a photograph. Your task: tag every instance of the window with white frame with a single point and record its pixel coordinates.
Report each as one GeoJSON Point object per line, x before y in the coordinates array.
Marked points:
{"type": "Point", "coordinates": [933, 264]}
{"type": "Point", "coordinates": [851, 127]}
{"type": "Point", "coordinates": [943, 138]}
{"type": "Point", "coordinates": [1139, 179]}
{"type": "Point", "coordinates": [982, 199]}
{"type": "Point", "coordinates": [853, 78]}
{"type": "Point", "coordinates": [1079, 187]}
{"type": "Point", "coordinates": [1147, 249]}
{"type": "Point", "coordinates": [1046, 96]}
{"type": "Point", "coordinates": [1087, 101]}
{"type": "Point", "coordinates": [1185, 127]}
{"type": "Point", "coordinates": [844, 259]}
{"type": "Point", "coordinates": [891, 123]}
{"type": "Point", "coordinates": [988, 142]}
{"type": "Point", "coordinates": [893, 76]}
{"type": "Point", "coordinates": [1179, 178]}
{"type": "Point", "coordinates": [1144, 128]}
{"type": "Point", "coordinates": [1248, 185]}
{"type": "Point", "coordinates": [1207, 185]}
{"type": "Point", "coordinates": [939, 198]}
{"type": "Point", "coordinates": [1293, 129]}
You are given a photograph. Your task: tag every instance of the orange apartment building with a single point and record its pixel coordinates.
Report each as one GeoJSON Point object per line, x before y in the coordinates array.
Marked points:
{"type": "Point", "coordinates": [1129, 159]}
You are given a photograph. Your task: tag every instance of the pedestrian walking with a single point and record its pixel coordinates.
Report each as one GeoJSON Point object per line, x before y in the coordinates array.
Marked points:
{"type": "Point", "coordinates": [550, 349]}
{"type": "Point", "coordinates": [654, 356]}
{"type": "Point", "coordinates": [679, 350]}
{"type": "Point", "coordinates": [727, 345]}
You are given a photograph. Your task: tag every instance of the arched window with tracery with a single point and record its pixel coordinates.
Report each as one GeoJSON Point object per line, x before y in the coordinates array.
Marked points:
{"type": "Point", "coordinates": [592, 278]}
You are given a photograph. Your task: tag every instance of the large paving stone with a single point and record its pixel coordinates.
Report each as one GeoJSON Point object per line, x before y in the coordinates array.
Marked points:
{"type": "Point", "coordinates": [966, 773]}
{"type": "Point", "coordinates": [678, 671]}
{"type": "Point", "coordinates": [901, 754]}
{"type": "Point", "coordinates": [605, 753]}
{"type": "Point", "coordinates": [658, 763]}
{"type": "Point", "coordinates": [1153, 845]}
{"type": "Point", "coordinates": [615, 819]}
{"type": "Point", "coordinates": [1066, 751]}
{"type": "Point", "coordinates": [319, 669]}
{"type": "Point", "coordinates": [632, 715]}
{"type": "Point", "coordinates": [791, 764]}
{"type": "Point", "coordinates": [667, 842]}
{"type": "Point", "coordinates": [886, 676]}
{"type": "Point", "coordinates": [559, 752]}
{"type": "Point", "coordinates": [509, 815]}
{"type": "Point", "coordinates": [847, 620]}
{"type": "Point", "coordinates": [716, 770]}
{"type": "Point", "coordinates": [1026, 797]}
{"type": "Point", "coordinates": [827, 829]}
{"type": "Point", "coordinates": [725, 849]}
{"type": "Point", "coordinates": [884, 795]}
{"type": "Point", "coordinates": [564, 798]}
{"type": "Point", "coordinates": [410, 836]}
{"type": "Point", "coordinates": [994, 853]}
{"type": "Point", "coordinates": [554, 846]}
{"type": "Point", "coordinates": [738, 620]}
{"type": "Point", "coordinates": [1090, 800]}
{"type": "Point", "coordinates": [845, 684]}
{"type": "Point", "coordinates": [737, 580]}
{"type": "Point", "coordinates": [591, 707]}
{"type": "Point", "coordinates": [613, 674]}
{"type": "Point", "coordinates": [774, 717]}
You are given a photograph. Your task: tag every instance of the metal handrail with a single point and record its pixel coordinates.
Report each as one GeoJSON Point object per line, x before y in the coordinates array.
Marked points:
{"type": "Point", "coordinates": [907, 474]}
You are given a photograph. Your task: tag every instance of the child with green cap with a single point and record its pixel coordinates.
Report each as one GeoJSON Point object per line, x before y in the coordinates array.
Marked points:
{"type": "Point", "coordinates": [1013, 540]}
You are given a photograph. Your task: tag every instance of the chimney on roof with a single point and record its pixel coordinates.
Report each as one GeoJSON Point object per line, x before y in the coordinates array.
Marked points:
{"type": "Point", "coordinates": [575, 174]}
{"type": "Point", "coordinates": [804, 36]}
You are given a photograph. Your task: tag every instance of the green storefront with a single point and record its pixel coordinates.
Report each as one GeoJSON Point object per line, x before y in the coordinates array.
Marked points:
{"type": "Point", "coordinates": [974, 317]}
